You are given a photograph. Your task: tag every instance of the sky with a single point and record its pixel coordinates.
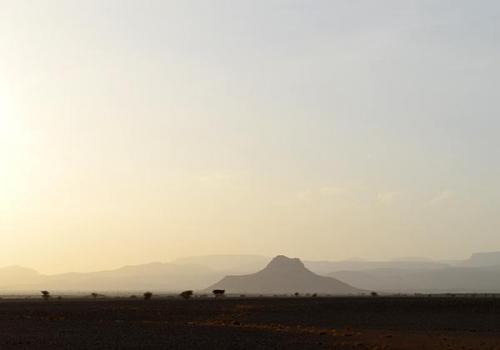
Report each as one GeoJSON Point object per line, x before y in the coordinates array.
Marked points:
{"type": "Point", "coordinates": [139, 131]}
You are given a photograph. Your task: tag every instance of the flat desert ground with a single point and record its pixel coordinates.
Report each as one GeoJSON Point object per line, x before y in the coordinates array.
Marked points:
{"type": "Point", "coordinates": [252, 323]}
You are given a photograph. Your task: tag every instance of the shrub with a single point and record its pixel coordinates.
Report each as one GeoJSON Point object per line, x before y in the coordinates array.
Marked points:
{"type": "Point", "coordinates": [148, 295]}
{"type": "Point", "coordinates": [219, 292]}
{"type": "Point", "coordinates": [187, 294]}
{"type": "Point", "coordinates": [45, 294]}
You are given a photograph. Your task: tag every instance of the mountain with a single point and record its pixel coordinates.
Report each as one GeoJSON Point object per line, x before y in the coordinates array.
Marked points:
{"type": "Point", "coordinates": [326, 267]}
{"type": "Point", "coordinates": [479, 273]}
{"type": "Point", "coordinates": [245, 264]}
{"type": "Point", "coordinates": [155, 277]}
{"type": "Point", "coordinates": [283, 275]}
{"type": "Point", "coordinates": [483, 260]}
{"type": "Point", "coordinates": [445, 280]}
{"type": "Point", "coordinates": [14, 275]}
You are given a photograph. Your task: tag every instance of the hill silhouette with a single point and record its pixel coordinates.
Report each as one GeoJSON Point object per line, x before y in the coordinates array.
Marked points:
{"type": "Point", "coordinates": [452, 279]}
{"type": "Point", "coordinates": [484, 259]}
{"type": "Point", "coordinates": [284, 275]}
{"type": "Point", "coordinates": [153, 276]}
{"type": "Point", "coordinates": [478, 273]}
{"type": "Point", "coordinates": [18, 275]}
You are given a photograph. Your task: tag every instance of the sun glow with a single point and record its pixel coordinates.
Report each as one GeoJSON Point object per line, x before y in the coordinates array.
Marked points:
{"type": "Point", "coordinates": [8, 127]}
{"type": "Point", "coordinates": [10, 135]}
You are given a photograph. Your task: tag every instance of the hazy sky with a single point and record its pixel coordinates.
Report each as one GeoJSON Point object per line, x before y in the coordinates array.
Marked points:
{"type": "Point", "coordinates": [138, 131]}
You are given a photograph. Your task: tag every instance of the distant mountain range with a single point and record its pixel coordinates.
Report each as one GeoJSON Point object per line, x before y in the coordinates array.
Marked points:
{"type": "Point", "coordinates": [153, 277]}
{"type": "Point", "coordinates": [284, 275]}
{"type": "Point", "coordinates": [479, 273]}
{"type": "Point", "coordinates": [445, 280]}
{"type": "Point", "coordinates": [326, 267]}
{"type": "Point", "coordinates": [17, 275]}
{"type": "Point", "coordinates": [482, 260]}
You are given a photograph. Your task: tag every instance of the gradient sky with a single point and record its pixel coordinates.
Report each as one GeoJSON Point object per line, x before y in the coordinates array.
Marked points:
{"type": "Point", "coordinates": [138, 131]}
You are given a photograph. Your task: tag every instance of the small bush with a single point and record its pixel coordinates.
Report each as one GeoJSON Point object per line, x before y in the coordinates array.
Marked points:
{"type": "Point", "coordinates": [219, 292]}
{"type": "Point", "coordinates": [148, 295]}
{"type": "Point", "coordinates": [187, 294]}
{"type": "Point", "coordinates": [45, 294]}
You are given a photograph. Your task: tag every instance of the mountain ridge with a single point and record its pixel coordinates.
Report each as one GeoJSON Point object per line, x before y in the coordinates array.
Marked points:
{"type": "Point", "coordinates": [284, 275]}
{"type": "Point", "coordinates": [474, 274]}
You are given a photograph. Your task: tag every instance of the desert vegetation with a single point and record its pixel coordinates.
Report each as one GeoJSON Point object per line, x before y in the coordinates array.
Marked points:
{"type": "Point", "coordinates": [187, 294]}
{"type": "Point", "coordinates": [219, 293]}
{"type": "Point", "coordinates": [45, 294]}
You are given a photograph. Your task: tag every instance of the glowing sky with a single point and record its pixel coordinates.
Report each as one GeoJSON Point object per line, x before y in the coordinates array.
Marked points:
{"type": "Point", "coordinates": [138, 131]}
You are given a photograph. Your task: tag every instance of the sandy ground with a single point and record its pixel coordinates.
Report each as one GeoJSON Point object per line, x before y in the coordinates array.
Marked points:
{"type": "Point", "coordinates": [260, 323]}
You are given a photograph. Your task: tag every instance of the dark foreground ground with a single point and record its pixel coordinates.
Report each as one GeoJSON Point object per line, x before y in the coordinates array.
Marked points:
{"type": "Point", "coordinates": [260, 323]}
